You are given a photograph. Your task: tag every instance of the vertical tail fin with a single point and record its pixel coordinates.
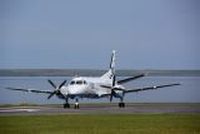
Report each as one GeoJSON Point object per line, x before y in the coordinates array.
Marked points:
{"type": "Point", "coordinates": [112, 62]}
{"type": "Point", "coordinates": [111, 72]}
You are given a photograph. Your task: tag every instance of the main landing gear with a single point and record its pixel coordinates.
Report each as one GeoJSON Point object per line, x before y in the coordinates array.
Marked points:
{"type": "Point", "coordinates": [66, 105]}
{"type": "Point", "coordinates": [121, 105]}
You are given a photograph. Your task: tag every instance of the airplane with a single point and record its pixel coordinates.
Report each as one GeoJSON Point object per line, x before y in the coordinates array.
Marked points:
{"type": "Point", "coordinates": [93, 87]}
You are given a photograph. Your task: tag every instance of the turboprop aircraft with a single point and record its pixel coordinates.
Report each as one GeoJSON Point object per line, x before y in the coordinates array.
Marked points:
{"type": "Point", "coordinates": [93, 87]}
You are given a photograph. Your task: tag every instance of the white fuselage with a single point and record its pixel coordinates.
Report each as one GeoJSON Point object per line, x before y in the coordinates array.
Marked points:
{"type": "Point", "coordinates": [87, 87]}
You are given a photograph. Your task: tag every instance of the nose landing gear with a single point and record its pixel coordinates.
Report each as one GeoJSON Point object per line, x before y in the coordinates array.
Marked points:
{"type": "Point", "coordinates": [76, 106]}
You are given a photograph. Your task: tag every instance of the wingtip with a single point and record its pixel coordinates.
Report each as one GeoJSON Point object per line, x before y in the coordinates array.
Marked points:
{"type": "Point", "coordinates": [8, 88]}
{"type": "Point", "coordinates": [146, 73]}
{"type": "Point", "coordinates": [178, 84]}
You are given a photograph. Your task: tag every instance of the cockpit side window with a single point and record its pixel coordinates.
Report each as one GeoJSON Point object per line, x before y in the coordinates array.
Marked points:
{"type": "Point", "coordinates": [72, 82]}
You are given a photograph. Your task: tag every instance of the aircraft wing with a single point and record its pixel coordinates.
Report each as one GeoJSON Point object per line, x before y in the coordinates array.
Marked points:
{"type": "Point", "coordinates": [30, 90]}
{"type": "Point", "coordinates": [150, 88]}
{"type": "Point", "coordinates": [104, 95]}
{"type": "Point", "coordinates": [130, 79]}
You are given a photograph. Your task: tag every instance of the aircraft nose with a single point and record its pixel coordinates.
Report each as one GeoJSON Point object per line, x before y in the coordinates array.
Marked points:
{"type": "Point", "coordinates": [75, 89]}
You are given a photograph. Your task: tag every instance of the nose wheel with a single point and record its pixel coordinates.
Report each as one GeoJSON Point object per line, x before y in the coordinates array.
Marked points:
{"type": "Point", "coordinates": [76, 106]}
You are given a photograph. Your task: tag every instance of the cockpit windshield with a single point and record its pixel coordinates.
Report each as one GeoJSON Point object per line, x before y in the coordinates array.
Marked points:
{"type": "Point", "coordinates": [79, 82]}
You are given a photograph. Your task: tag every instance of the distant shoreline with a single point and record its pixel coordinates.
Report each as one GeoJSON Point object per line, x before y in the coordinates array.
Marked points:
{"type": "Point", "coordinates": [93, 72]}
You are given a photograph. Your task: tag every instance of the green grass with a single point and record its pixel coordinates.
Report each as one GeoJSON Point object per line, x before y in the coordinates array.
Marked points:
{"type": "Point", "coordinates": [98, 124]}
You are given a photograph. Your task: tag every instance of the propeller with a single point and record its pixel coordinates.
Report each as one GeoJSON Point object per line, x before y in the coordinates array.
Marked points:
{"type": "Point", "coordinates": [113, 93]}
{"type": "Point", "coordinates": [115, 88]}
{"type": "Point", "coordinates": [57, 89]}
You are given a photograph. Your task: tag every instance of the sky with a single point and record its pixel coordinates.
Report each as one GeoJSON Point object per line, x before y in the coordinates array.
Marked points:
{"type": "Point", "coordinates": [147, 34]}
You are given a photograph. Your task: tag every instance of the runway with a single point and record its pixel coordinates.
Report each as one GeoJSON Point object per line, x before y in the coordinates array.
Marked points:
{"type": "Point", "coordinates": [110, 108]}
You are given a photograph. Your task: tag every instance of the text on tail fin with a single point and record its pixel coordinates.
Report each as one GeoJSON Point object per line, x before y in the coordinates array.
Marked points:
{"type": "Point", "coordinates": [112, 62]}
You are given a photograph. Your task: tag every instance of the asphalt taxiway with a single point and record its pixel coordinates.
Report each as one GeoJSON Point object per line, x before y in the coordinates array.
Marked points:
{"type": "Point", "coordinates": [110, 108]}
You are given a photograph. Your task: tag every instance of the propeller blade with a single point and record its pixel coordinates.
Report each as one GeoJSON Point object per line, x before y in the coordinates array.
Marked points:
{"type": "Point", "coordinates": [113, 82]}
{"type": "Point", "coordinates": [112, 90]}
{"type": "Point", "coordinates": [52, 84]}
{"type": "Point", "coordinates": [63, 83]}
{"type": "Point", "coordinates": [113, 93]}
{"type": "Point", "coordinates": [111, 96]}
{"type": "Point", "coordinates": [52, 94]}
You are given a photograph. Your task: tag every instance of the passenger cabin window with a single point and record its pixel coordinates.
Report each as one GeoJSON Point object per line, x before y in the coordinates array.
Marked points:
{"type": "Point", "coordinates": [84, 82]}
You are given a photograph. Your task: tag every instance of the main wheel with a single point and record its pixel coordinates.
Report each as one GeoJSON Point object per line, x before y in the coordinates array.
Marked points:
{"type": "Point", "coordinates": [66, 105]}
{"type": "Point", "coordinates": [121, 104]}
